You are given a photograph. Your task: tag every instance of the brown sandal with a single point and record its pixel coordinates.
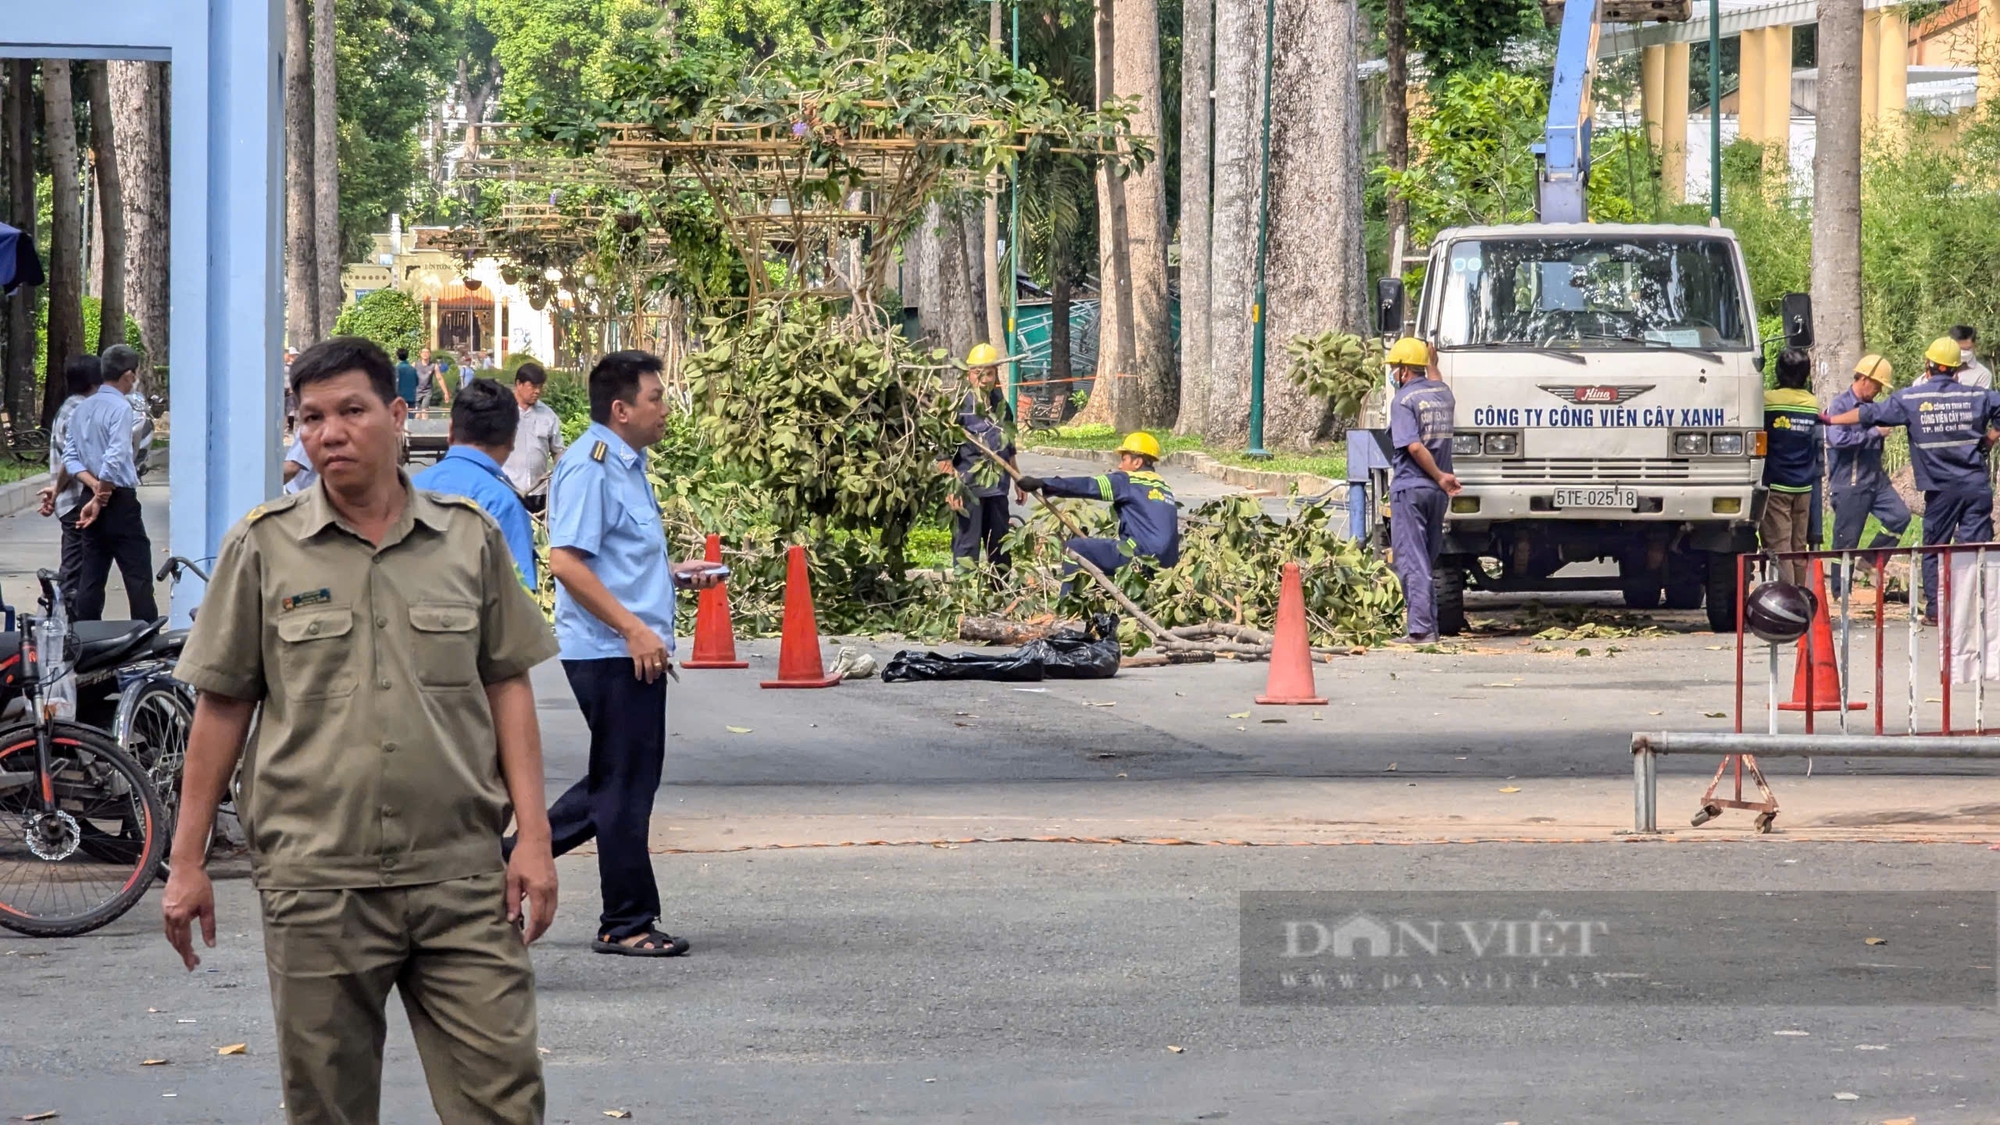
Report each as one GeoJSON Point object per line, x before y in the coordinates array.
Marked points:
{"type": "Point", "coordinates": [656, 943]}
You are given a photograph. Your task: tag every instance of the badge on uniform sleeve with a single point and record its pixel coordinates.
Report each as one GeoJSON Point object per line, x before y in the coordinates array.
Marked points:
{"type": "Point", "coordinates": [320, 596]}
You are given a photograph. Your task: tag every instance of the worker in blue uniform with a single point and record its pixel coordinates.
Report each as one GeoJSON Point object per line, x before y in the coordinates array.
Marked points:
{"type": "Point", "coordinates": [1860, 486]}
{"type": "Point", "coordinates": [1149, 523]}
{"type": "Point", "coordinates": [1420, 480]}
{"type": "Point", "coordinates": [1952, 426]}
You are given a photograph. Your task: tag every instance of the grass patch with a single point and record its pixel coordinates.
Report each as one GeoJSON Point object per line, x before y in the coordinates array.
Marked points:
{"type": "Point", "coordinates": [1326, 461]}
{"type": "Point", "coordinates": [12, 469]}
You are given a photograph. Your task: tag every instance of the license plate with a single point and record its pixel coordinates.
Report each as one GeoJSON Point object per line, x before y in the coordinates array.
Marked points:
{"type": "Point", "coordinates": [1622, 498]}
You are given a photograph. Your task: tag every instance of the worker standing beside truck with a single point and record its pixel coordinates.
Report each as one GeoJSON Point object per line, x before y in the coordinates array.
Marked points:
{"type": "Point", "coordinates": [1951, 427]}
{"type": "Point", "coordinates": [1860, 486]}
{"type": "Point", "coordinates": [1420, 481]}
{"type": "Point", "coordinates": [1792, 463]}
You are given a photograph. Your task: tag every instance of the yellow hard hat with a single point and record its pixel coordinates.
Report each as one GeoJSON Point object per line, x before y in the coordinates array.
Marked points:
{"type": "Point", "coordinates": [1875, 367]}
{"type": "Point", "coordinates": [1944, 352]}
{"type": "Point", "coordinates": [1409, 351]}
{"type": "Point", "coordinates": [1141, 443]}
{"type": "Point", "coordinates": [982, 355]}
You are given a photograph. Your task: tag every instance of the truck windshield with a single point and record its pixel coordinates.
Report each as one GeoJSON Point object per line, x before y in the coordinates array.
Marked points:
{"type": "Point", "coordinates": [1613, 292]}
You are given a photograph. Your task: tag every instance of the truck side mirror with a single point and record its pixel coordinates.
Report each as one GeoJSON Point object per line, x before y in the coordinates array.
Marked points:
{"type": "Point", "coordinates": [1795, 314]}
{"type": "Point", "coordinates": [1389, 301]}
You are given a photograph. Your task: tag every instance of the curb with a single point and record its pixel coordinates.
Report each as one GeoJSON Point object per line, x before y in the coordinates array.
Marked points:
{"type": "Point", "coordinates": [1278, 484]}
{"type": "Point", "coordinates": [19, 496]}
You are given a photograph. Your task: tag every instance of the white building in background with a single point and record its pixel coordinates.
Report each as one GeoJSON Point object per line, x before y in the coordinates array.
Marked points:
{"type": "Point", "coordinates": [466, 309]}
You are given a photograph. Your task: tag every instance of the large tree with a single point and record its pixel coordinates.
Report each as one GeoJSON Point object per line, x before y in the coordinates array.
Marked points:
{"type": "Point", "coordinates": [19, 119]}
{"type": "Point", "coordinates": [1239, 34]}
{"type": "Point", "coordinates": [1197, 79]}
{"type": "Point", "coordinates": [111, 208]}
{"type": "Point", "coordinates": [138, 109]}
{"type": "Point", "coordinates": [1150, 396]}
{"type": "Point", "coordinates": [301, 270]}
{"type": "Point", "coordinates": [1317, 260]}
{"type": "Point", "coordinates": [1396, 108]}
{"type": "Point", "coordinates": [327, 254]}
{"type": "Point", "coordinates": [66, 232]}
{"type": "Point", "coordinates": [1836, 223]}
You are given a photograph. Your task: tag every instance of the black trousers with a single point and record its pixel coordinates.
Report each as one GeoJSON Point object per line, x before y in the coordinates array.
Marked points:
{"type": "Point", "coordinates": [979, 528]}
{"type": "Point", "coordinates": [613, 804]}
{"type": "Point", "coordinates": [118, 534]}
{"type": "Point", "coordinates": [71, 567]}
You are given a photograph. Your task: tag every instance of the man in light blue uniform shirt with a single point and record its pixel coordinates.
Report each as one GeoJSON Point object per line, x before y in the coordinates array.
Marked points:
{"type": "Point", "coordinates": [99, 454]}
{"type": "Point", "coordinates": [615, 625]}
{"type": "Point", "coordinates": [483, 421]}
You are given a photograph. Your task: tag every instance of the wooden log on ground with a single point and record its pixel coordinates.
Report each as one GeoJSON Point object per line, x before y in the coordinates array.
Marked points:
{"type": "Point", "coordinates": [997, 630]}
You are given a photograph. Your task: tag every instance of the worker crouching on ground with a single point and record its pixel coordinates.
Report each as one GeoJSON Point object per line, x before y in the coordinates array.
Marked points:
{"type": "Point", "coordinates": [1860, 486]}
{"type": "Point", "coordinates": [981, 508]}
{"type": "Point", "coordinates": [1420, 423]}
{"type": "Point", "coordinates": [1951, 428]}
{"type": "Point", "coordinates": [1791, 465]}
{"type": "Point", "coordinates": [1149, 524]}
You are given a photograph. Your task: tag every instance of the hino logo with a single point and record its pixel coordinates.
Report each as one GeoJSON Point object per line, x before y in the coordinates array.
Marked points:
{"type": "Point", "coordinates": [1595, 396]}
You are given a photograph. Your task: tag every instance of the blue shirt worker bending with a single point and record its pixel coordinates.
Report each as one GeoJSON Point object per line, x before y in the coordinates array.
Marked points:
{"type": "Point", "coordinates": [1951, 427]}
{"type": "Point", "coordinates": [483, 422]}
{"type": "Point", "coordinates": [1149, 519]}
{"type": "Point", "coordinates": [1859, 485]}
{"type": "Point", "coordinates": [615, 625]}
{"type": "Point", "coordinates": [1791, 462]}
{"type": "Point", "coordinates": [1420, 481]}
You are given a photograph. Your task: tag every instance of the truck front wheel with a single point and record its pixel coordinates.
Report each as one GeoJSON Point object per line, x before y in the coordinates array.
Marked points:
{"type": "Point", "coordinates": [1448, 589]}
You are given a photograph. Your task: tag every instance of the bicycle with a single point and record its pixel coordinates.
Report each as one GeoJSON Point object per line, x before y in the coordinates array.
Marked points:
{"type": "Point", "coordinates": [25, 443]}
{"type": "Point", "coordinates": [82, 830]}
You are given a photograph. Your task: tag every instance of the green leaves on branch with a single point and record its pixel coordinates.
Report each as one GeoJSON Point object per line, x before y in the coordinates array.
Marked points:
{"type": "Point", "coordinates": [1337, 366]}
{"type": "Point", "coordinates": [389, 317]}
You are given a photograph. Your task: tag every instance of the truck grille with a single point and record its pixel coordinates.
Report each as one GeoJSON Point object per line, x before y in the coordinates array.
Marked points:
{"type": "Point", "coordinates": [1592, 470]}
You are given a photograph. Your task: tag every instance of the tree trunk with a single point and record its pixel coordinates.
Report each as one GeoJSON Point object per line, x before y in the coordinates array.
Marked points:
{"type": "Point", "coordinates": [1239, 33]}
{"type": "Point", "coordinates": [989, 253]}
{"type": "Point", "coordinates": [1396, 110]}
{"type": "Point", "coordinates": [1150, 396]}
{"type": "Point", "coordinates": [327, 254]}
{"type": "Point", "coordinates": [1318, 267]}
{"type": "Point", "coordinates": [947, 302]}
{"type": "Point", "coordinates": [301, 272]}
{"type": "Point", "coordinates": [138, 97]}
{"type": "Point", "coordinates": [18, 116]}
{"type": "Point", "coordinates": [66, 235]}
{"type": "Point", "coordinates": [1060, 370]}
{"type": "Point", "coordinates": [1836, 224]}
{"type": "Point", "coordinates": [1197, 110]}
{"type": "Point", "coordinates": [1116, 341]}
{"type": "Point", "coordinates": [111, 207]}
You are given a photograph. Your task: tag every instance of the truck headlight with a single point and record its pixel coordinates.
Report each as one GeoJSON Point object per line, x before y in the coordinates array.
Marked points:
{"type": "Point", "coordinates": [1502, 445]}
{"type": "Point", "coordinates": [1465, 445]}
{"type": "Point", "coordinates": [1690, 445]}
{"type": "Point", "coordinates": [1726, 445]}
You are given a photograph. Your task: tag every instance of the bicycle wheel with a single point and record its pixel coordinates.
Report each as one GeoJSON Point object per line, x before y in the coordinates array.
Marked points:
{"type": "Point", "coordinates": [70, 871]}
{"type": "Point", "coordinates": [156, 735]}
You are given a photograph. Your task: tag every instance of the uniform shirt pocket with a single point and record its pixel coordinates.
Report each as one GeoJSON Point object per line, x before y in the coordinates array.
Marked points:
{"type": "Point", "coordinates": [447, 643]}
{"type": "Point", "coordinates": [316, 652]}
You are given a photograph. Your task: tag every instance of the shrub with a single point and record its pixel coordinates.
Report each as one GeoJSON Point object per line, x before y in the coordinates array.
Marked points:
{"type": "Point", "coordinates": [387, 316]}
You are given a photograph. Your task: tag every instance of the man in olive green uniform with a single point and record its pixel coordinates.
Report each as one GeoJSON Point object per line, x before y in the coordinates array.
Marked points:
{"type": "Point", "coordinates": [387, 637]}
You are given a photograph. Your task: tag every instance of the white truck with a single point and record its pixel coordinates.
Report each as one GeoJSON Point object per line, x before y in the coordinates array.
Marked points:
{"type": "Point", "coordinates": [1610, 387]}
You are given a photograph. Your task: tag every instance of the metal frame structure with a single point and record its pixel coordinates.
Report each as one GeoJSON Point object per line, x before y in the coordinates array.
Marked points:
{"type": "Point", "coordinates": [226, 284]}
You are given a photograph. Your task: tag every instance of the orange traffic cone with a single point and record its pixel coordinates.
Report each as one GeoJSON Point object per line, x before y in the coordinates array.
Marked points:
{"type": "Point", "coordinates": [799, 664]}
{"type": "Point", "coordinates": [1291, 679]}
{"type": "Point", "coordinates": [1824, 672]}
{"type": "Point", "coordinates": [714, 633]}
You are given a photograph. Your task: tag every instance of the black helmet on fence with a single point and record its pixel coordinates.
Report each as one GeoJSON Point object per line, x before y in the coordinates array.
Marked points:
{"type": "Point", "coordinates": [1779, 612]}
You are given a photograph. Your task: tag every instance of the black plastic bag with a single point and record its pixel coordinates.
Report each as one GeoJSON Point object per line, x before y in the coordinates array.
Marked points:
{"type": "Point", "coordinates": [1066, 655]}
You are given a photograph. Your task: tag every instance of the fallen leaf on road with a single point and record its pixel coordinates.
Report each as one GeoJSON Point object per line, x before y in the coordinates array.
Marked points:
{"type": "Point", "coordinates": [1496, 685]}
{"type": "Point", "coordinates": [1510, 789]}
{"type": "Point", "coordinates": [153, 1062]}
{"type": "Point", "coordinates": [1095, 703]}
{"type": "Point", "coordinates": [1391, 767]}
{"type": "Point", "coordinates": [1716, 648]}
{"type": "Point", "coordinates": [1272, 720]}
{"type": "Point", "coordinates": [1239, 727]}
{"type": "Point", "coordinates": [152, 1011]}
{"type": "Point", "coordinates": [1790, 1031]}
{"type": "Point", "coordinates": [1870, 1047]}
{"type": "Point", "coordinates": [1900, 1121]}
{"type": "Point", "coordinates": [1656, 712]}
{"type": "Point", "coordinates": [738, 730]}
{"type": "Point", "coordinates": [617, 1113]}
{"type": "Point", "coordinates": [1239, 714]}
{"type": "Point", "coordinates": [234, 1049]}
{"type": "Point", "coordinates": [45, 1115]}
{"type": "Point", "coordinates": [1844, 1096]}
{"type": "Point", "coordinates": [543, 1051]}
{"type": "Point", "coordinates": [1177, 1050]}
{"type": "Point", "coordinates": [1933, 699]}
{"type": "Point", "coordinates": [183, 1021]}
{"type": "Point", "coordinates": [1031, 689]}
{"type": "Point", "coordinates": [1715, 714]}
{"type": "Point", "coordinates": [1876, 941]}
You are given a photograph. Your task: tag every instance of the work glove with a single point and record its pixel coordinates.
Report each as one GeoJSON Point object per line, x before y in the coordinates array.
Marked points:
{"type": "Point", "coordinates": [1030, 484]}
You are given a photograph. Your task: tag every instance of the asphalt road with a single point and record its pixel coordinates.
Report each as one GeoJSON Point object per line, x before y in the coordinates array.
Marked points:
{"type": "Point", "coordinates": [1012, 983]}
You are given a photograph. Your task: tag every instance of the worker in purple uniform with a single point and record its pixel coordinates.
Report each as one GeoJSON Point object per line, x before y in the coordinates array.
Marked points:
{"type": "Point", "coordinates": [1420, 421]}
